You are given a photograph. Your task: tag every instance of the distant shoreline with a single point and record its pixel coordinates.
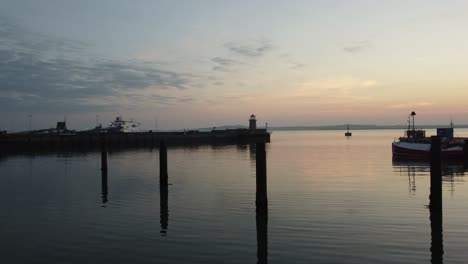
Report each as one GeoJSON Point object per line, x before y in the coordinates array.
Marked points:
{"type": "Point", "coordinates": [334, 127]}
{"type": "Point", "coordinates": [357, 127]}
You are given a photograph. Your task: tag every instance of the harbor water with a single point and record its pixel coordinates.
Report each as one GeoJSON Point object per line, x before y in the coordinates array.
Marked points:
{"type": "Point", "coordinates": [331, 199]}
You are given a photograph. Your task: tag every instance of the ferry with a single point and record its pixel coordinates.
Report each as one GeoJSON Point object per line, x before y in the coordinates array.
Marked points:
{"type": "Point", "coordinates": [415, 145]}
{"type": "Point", "coordinates": [120, 125]}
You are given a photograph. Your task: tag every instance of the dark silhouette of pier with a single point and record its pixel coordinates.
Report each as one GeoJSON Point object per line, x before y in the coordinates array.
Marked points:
{"type": "Point", "coordinates": [89, 141]}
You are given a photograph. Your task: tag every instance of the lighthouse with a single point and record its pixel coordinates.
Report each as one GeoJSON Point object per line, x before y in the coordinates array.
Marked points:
{"type": "Point", "coordinates": [252, 123]}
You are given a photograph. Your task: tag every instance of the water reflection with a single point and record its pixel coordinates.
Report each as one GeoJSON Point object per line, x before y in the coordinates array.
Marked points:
{"type": "Point", "coordinates": [252, 155]}
{"type": "Point", "coordinates": [262, 234]}
{"type": "Point", "coordinates": [164, 208]}
{"type": "Point", "coordinates": [452, 172]}
{"type": "Point", "coordinates": [437, 246]}
{"type": "Point", "coordinates": [242, 148]}
{"type": "Point", "coordinates": [104, 187]}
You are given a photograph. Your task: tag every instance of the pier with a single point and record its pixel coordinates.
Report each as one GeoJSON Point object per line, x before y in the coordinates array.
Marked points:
{"type": "Point", "coordinates": [112, 137]}
{"type": "Point", "coordinates": [138, 139]}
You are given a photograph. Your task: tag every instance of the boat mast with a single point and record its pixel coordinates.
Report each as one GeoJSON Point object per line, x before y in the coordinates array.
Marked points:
{"type": "Point", "coordinates": [413, 114]}
{"type": "Point", "coordinates": [409, 123]}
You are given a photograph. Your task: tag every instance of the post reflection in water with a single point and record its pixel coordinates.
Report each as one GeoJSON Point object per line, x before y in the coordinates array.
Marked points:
{"type": "Point", "coordinates": [104, 187]}
{"type": "Point", "coordinates": [103, 172]}
{"type": "Point", "coordinates": [438, 172]}
{"type": "Point", "coordinates": [164, 208]}
{"type": "Point", "coordinates": [437, 246]}
{"type": "Point", "coordinates": [261, 204]}
{"type": "Point", "coordinates": [262, 233]}
{"type": "Point", "coordinates": [252, 153]}
{"type": "Point", "coordinates": [451, 172]}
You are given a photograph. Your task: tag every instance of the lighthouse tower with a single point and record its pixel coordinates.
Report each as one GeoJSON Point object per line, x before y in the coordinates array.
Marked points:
{"type": "Point", "coordinates": [252, 123]}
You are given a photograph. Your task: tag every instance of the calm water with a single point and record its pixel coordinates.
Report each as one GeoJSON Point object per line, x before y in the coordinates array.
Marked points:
{"type": "Point", "coordinates": [330, 200]}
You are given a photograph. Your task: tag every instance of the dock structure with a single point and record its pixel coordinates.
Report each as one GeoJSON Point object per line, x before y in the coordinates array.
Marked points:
{"type": "Point", "coordinates": [138, 139]}
{"type": "Point", "coordinates": [116, 136]}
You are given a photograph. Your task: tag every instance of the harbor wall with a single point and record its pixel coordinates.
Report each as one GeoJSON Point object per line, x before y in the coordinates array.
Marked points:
{"type": "Point", "coordinates": [137, 139]}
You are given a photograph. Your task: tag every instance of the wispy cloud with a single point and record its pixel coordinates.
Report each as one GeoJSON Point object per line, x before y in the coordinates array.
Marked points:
{"type": "Point", "coordinates": [357, 47]}
{"type": "Point", "coordinates": [44, 73]}
{"type": "Point", "coordinates": [335, 85]}
{"type": "Point", "coordinates": [410, 105]}
{"type": "Point", "coordinates": [251, 50]}
{"type": "Point", "coordinates": [224, 64]}
{"type": "Point", "coordinates": [297, 66]}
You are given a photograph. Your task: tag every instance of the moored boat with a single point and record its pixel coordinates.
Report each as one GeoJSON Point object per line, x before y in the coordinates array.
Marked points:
{"type": "Point", "coordinates": [347, 133]}
{"type": "Point", "coordinates": [415, 145]}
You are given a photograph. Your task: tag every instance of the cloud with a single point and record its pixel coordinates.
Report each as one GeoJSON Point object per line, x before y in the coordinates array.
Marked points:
{"type": "Point", "coordinates": [297, 66]}
{"type": "Point", "coordinates": [47, 74]}
{"type": "Point", "coordinates": [333, 93]}
{"type": "Point", "coordinates": [253, 50]}
{"type": "Point", "coordinates": [334, 85]}
{"type": "Point", "coordinates": [224, 64]}
{"type": "Point", "coordinates": [357, 47]}
{"type": "Point", "coordinates": [243, 52]}
{"type": "Point", "coordinates": [410, 105]}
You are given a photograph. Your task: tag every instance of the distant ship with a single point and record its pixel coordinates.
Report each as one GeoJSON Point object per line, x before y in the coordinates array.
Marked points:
{"type": "Point", "coordinates": [123, 126]}
{"type": "Point", "coordinates": [347, 133]}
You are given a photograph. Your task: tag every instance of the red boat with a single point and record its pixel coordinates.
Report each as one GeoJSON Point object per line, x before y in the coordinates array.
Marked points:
{"type": "Point", "coordinates": [422, 150]}
{"type": "Point", "coordinates": [415, 144]}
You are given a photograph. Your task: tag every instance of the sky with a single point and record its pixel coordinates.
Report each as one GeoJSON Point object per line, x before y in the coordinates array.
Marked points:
{"type": "Point", "coordinates": [188, 64]}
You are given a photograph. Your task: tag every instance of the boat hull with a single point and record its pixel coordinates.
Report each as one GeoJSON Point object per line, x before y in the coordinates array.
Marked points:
{"type": "Point", "coordinates": [422, 151]}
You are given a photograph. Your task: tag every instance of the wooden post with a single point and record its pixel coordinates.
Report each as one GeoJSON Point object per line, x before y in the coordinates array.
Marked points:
{"type": "Point", "coordinates": [435, 203]}
{"type": "Point", "coordinates": [465, 153]}
{"type": "Point", "coordinates": [261, 175]}
{"type": "Point", "coordinates": [163, 163]}
{"type": "Point", "coordinates": [103, 152]}
{"type": "Point", "coordinates": [436, 175]}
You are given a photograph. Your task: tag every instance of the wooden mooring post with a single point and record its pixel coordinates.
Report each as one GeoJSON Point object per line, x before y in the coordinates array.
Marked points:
{"type": "Point", "coordinates": [103, 152]}
{"type": "Point", "coordinates": [261, 203]}
{"type": "Point", "coordinates": [163, 175]}
{"type": "Point", "coordinates": [436, 173]}
{"type": "Point", "coordinates": [435, 202]}
{"type": "Point", "coordinates": [261, 175]}
{"type": "Point", "coordinates": [465, 154]}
